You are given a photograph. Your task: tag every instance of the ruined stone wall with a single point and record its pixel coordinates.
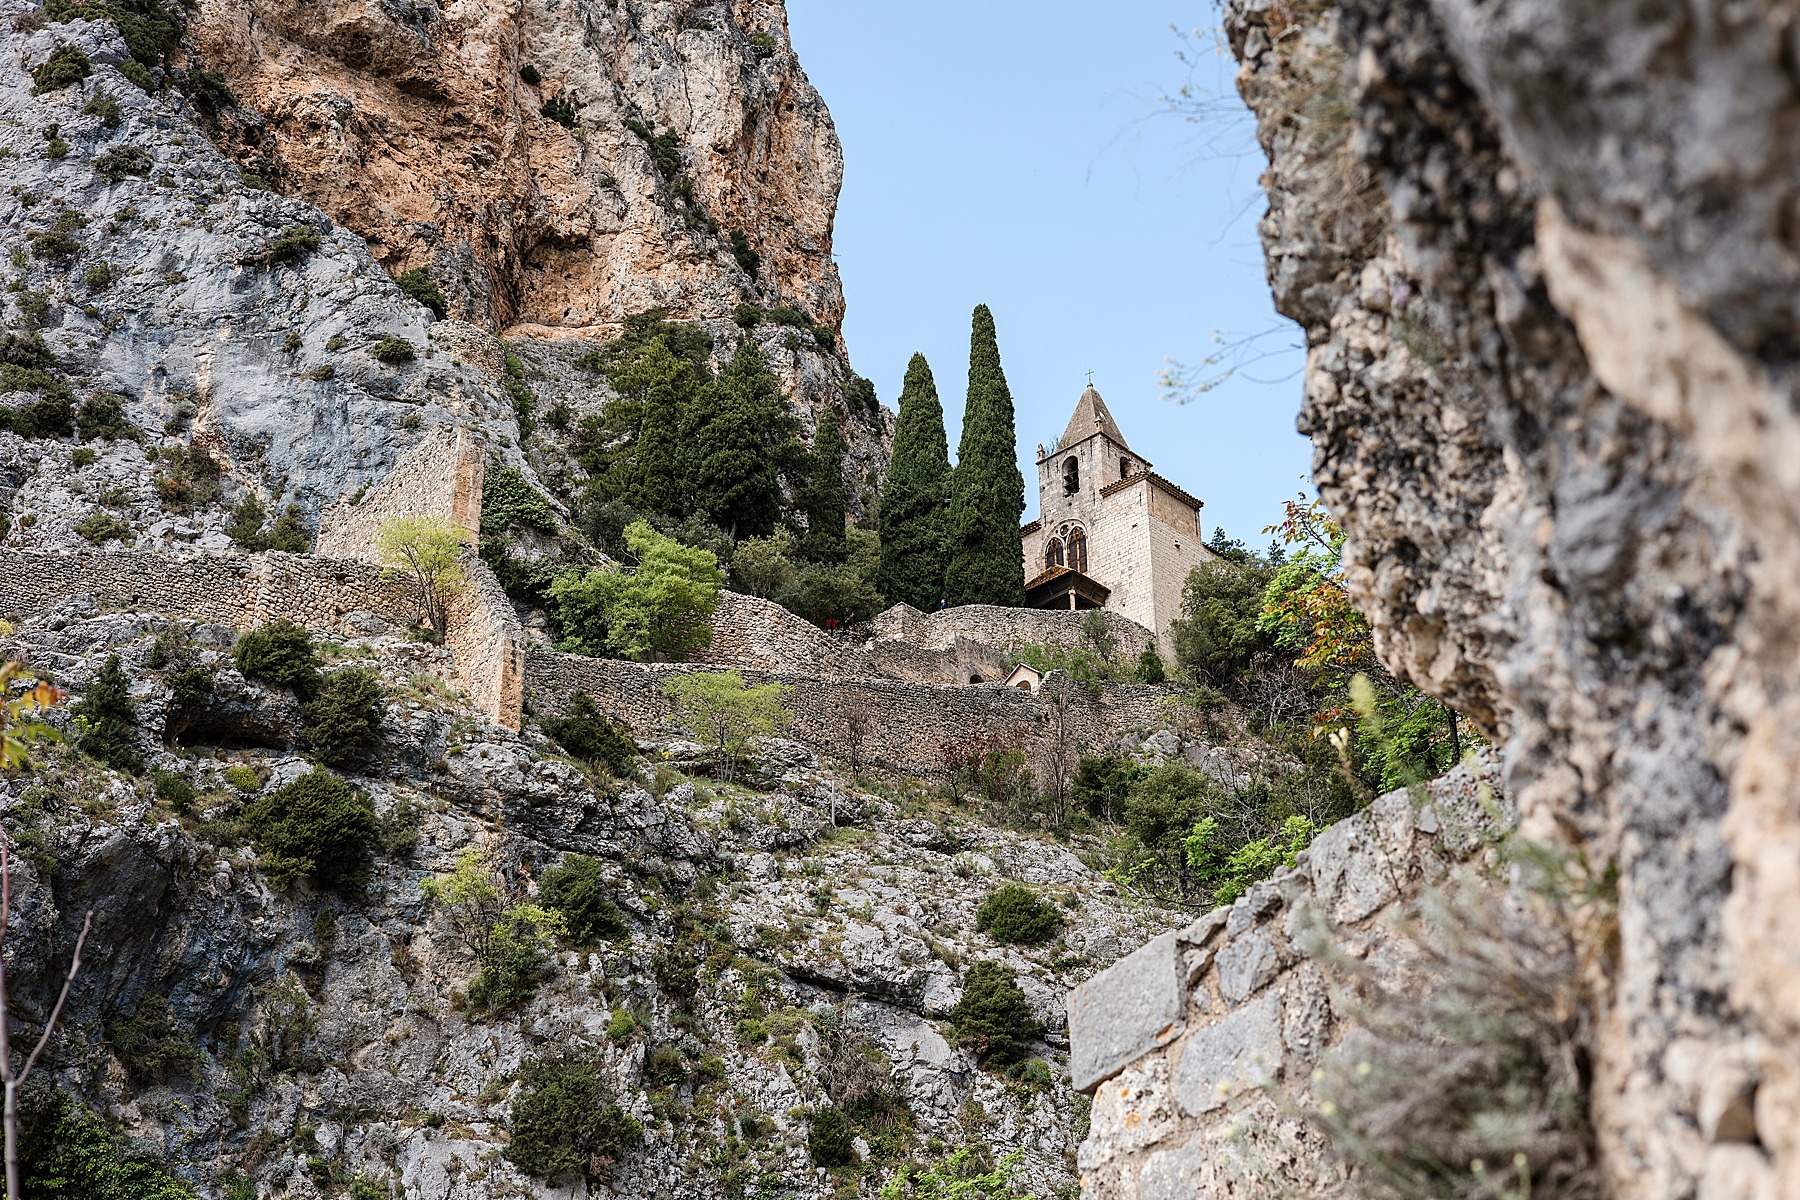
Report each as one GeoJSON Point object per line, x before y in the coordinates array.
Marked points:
{"type": "Point", "coordinates": [1003, 628]}
{"type": "Point", "coordinates": [1199, 1048]}
{"type": "Point", "coordinates": [440, 477]}
{"type": "Point", "coordinates": [902, 725]}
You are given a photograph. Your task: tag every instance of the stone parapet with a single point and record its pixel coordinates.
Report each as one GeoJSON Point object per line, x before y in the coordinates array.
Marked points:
{"type": "Point", "coordinates": [1211, 1030]}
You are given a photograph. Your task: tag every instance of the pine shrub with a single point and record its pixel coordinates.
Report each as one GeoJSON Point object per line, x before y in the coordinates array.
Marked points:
{"type": "Point", "coordinates": [280, 653]}
{"type": "Point", "coordinates": [993, 1017]}
{"type": "Point", "coordinates": [317, 826]}
{"type": "Point", "coordinates": [394, 350]}
{"type": "Point", "coordinates": [1014, 916]}
{"type": "Point", "coordinates": [830, 1139]}
{"type": "Point", "coordinates": [419, 284]}
{"type": "Point", "coordinates": [578, 890]}
{"type": "Point", "coordinates": [66, 65]}
{"type": "Point", "coordinates": [105, 716]}
{"type": "Point", "coordinates": [343, 721]}
{"type": "Point", "coordinates": [567, 1121]}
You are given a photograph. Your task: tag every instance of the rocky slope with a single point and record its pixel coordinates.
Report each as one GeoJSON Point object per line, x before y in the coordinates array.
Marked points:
{"type": "Point", "coordinates": [319, 1035]}
{"type": "Point", "coordinates": [1542, 254]}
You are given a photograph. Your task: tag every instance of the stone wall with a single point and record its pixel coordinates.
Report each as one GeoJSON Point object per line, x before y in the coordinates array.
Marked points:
{"type": "Point", "coordinates": [1199, 1047]}
{"type": "Point", "coordinates": [249, 590]}
{"type": "Point", "coordinates": [901, 725]}
{"type": "Point", "coordinates": [440, 477]}
{"type": "Point", "coordinates": [1003, 628]}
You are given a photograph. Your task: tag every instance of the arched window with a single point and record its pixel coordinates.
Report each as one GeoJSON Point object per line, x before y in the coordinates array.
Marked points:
{"type": "Point", "coordinates": [1077, 551]}
{"type": "Point", "coordinates": [1071, 476]}
{"type": "Point", "coordinates": [1053, 554]}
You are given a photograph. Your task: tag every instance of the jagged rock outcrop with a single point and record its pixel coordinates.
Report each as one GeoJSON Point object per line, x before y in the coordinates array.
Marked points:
{"type": "Point", "coordinates": [1543, 255]}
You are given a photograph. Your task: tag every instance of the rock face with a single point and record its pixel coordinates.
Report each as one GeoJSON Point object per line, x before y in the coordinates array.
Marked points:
{"type": "Point", "coordinates": [1543, 255]}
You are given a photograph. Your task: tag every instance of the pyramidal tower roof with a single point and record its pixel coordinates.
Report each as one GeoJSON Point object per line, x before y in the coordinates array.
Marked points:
{"type": "Point", "coordinates": [1092, 416]}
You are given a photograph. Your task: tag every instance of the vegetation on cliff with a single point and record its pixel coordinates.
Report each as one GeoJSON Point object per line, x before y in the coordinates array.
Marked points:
{"type": "Point", "coordinates": [987, 494]}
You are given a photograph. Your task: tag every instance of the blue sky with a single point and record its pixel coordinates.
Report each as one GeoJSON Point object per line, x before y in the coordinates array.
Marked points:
{"type": "Point", "coordinates": [1012, 154]}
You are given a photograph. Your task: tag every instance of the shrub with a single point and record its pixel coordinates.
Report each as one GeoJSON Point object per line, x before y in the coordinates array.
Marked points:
{"type": "Point", "coordinates": [188, 690]}
{"type": "Point", "coordinates": [100, 527]}
{"type": "Point", "coordinates": [394, 350]}
{"type": "Point", "coordinates": [317, 826]}
{"type": "Point", "coordinates": [1014, 916]}
{"type": "Point", "coordinates": [290, 534]}
{"type": "Point", "coordinates": [210, 91]}
{"type": "Point", "coordinates": [560, 109]}
{"type": "Point", "coordinates": [1150, 667]}
{"type": "Point", "coordinates": [83, 456]}
{"type": "Point", "coordinates": [568, 1121]}
{"type": "Point", "coordinates": [295, 245]}
{"type": "Point", "coordinates": [830, 1140]}
{"type": "Point", "coordinates": [187, 478]}
{"type": "Point", "coordinates": [578, 890]}
{"type": "Point", "coordinates": [52, 416]}
{"type": "Point", "coordinates": [139, 74]}
{"type": "Point", "coordinates": [152, 1044]}
{"type": "Point", "coordinates": [172, 789]}
{"type": "Point", "coordinates": [664, 147]}
{"type": "Point", "coordinates": [247, 519]}
{"type": "Point", "coordinates": [664, 607]}
{"type": "Point", "coordinates": [508, 500]}
{"type": "Point", "coordinates": [993, 1017]}
{"type": "Point", "coordinates": [585, 732]}
{"type": "Point", "coordinates": [98, 277]}
{"type": "Point", "coordinates": [531, 75]}
{"type": "Point", "coordinates": [429, 549]}
{"type": "Point", "coordinates": [66, 65]}
{"type": "Point", "coordinates": [121, 161]}
{"type": "Point", "coordinates": [244, 779]}
{"type": "Point", "coordinates": [28, 350]}
{"type": "Point", "coordinates": [746, 256]}
{"type": "Point", "coordinates": [58, 243]}
{"type": "Point", "coordinates": [515, 958]}
{"type": "Point", "coordinates": [102, 415]}
{"type": "Point", "coordinates": [280, 653]}
{"type": "Point", "coordinates": [67, 1152]}
{"type": "Point", "coordinates": [343, 722]}
{"type": "Point", "coordinates": [105, 106]}
{"type": "Point", "coordinates": [104, 717]}
{"type": "Point", "coordinates": [419, 284]}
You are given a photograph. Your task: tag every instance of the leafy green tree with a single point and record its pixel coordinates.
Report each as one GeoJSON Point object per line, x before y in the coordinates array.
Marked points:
{"type": "Point", "coordinates": [634, 451]}
{"type": "Point", "coordinates": [823, 498]}
{"type": "Point", "coordinates": [317, 826]}
{"type": "Point", "coordinates": [993, 1018]}
{"type": "Point", "coordinates": [1150, 667]}
{"type": "Point", "coordinates": [987, 491]}
{"type": "Point", "coordinates": [429, 551]}
{"type": "Point", "coordinates": [915, 496]}
{"type": "Point", "coordinates": [104, 717]}
{"type": "Point", "coordinates": [1221, 628]}
{"type": "Point", "coordinates": [740, 438]}
{"type": "Point", "coordinates": [664, 606]}
{"type": "Point", "coordinates": [579, 891]}
{"type": "Point", "coordinates": [512, 943]}
{"type": "Point", "coordinates": [1225, 874]}
{"type": "Point", "coordinates": [67, 1153]}
{"type": "Point", "coordinates": [727, 712]}
{"type": "Point", "coordinates": [1161, 810]}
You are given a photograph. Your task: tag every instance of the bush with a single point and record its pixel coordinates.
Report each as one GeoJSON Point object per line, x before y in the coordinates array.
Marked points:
{"type": "Point", "coordinates": [726, 712]}
{"type": "Point", "coordinates": [188, 690]}
{"type": "Point", "coordinates": [105, 106]}
{"type": "Point", "coordinates": [187, 478]}
{"type": "Point", "coordinates": [993, 1017]}
{"type": "Point", "coordinates": [53, 416]}
{"type": "Point", "coordinates": [247, 519]}
{"type": "Point", "coordinates": [343, 722]}
{"type": "Point", "coordinates": [98, 527]}
{"type": "Point", "coordinates": [830, 1140]}
{"type": "Point", "coordinates": [585, 732]}
{"type": "Point", "coordinates": [102, 415]}
{"type": "Point", "coordinates": [280, 653]}
{"type": "Point", "coordinates": [1014, 916]}
{"type": "Point", "coordinates": [244, 779]}
{"type": "Point", "coordinates": [67, 1152]}
{"type": "Point", "coordinates": [663, 608]}
{"type": "Point", "coordinates": [394, 350]}
{"type": "Point", "coordinates": [1218, 637]}
{"type": "Point", "coordinates": [568, 1121]}
{"type": "Point", "coordinates": [515, 959]}
{"type": "Point", "coordinates": [98, 277]}
{"type": "Point", "coordinates": [578, 890]}
{"type": "Point", "coordinates": [508, 500]}
{"type": "Point", "coordinates": [295, 245]}
{"type": "Point", "coordinates": [560, 109]}
{"type": "Point", "coordinates": [531, 75]}
{"type": "Point", "coordinates": [66, 65]}
{"type": "Point", "coordinates": [123, 161]}
{"type": "Point", "coordinates": [58, 243]}
{"type": "Point", "coordinates": [419, 284]}
{"type": "Point", "coordinates": [317, 826]}
{"type": "Point", "coordinates": [1103, 784]}
{"type": "Point", "coordinates": [27, 350]}
{"type": "Point", "coordinates": [1150, 667]}
{"type": "Point", "coordinates": [290, 534]}
{"type": "Point", "coordinates": [153, 1045]}
{"type": "Point", "coordinates": [104, 717]}
{"type": "Point", "coordinates": [173, 790]}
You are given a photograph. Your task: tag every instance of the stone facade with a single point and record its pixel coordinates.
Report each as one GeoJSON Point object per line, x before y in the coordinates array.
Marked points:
{"type": "Point", "coordinates": [1104, 514]}
{"type": "Point", "coordinates": [1199, 1048]}
{"type": "Point", "coordinates": [440, 477]}
{"type": "Point", "coordinates": [891, 723]}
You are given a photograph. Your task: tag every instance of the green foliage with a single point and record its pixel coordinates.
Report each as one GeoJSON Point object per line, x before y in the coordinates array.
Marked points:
{"type": "Point", "coordinates": [343, 721]}
{"type": "Point", "coordinates": [823, 498]}
{"type": "Point", "coordinates": [663, 607]}
{"type": "Point", "coordinates": [561, 109]}
{"type": "Point", "coordinates": [915, 496]}
{"type": "Point", "coordinates": [317, 826]}
{"type": "Point", "coordinates": [664, 147]}
{"type": "Point", "coordinates": [830, 1139]}
{"type": "Point", "coordinates": [586, 732]}
{"type": "Point", "coordinates": [151, 28]}
{"type": "Point", "coordinates": [123, 161]}
{"type": "Point", "coordinates": [820, 592]}
{"type": "Point", "coordinates": [102, 415]}
{"type": "Point", "coordinates": [634, 452]}
{"type": "Point", "coordinates": [1227, 874]}
{"type": "Point", "coordinates": [987, 492]}
{"type": "Point", "coordinates": [244, 779]}
{"type": "Point", "coordinates": [101, 527]}
{"type": "Point", "coordinates": [747, 258]}
{"type": "Point", "coordinates": [429, 551]}
{"type": "Point", "coordinates": [365, 1188]}
{"type": "Point", "coordinates": [1219, 636]}
{"type": "Point", "coordinates": [1150, 667]}
{"type": "Point", "coordinates": [578, 890]}
{"type": "Point", "coordinates": [962, 1176]}
{"type": "Point", "coordinates": [738, 436]}
{"type": "Point", "coordinates": [66, 65]}
{"type": "Point", "coordinates": [295, 245]}
{"type": "Point", "coordinates": [67, 1153]}
{"type": "Point", "coordinates": [58, 244]}
{"type": "Point", "coordinates": [524, 400]}
{"type": "Point", "coordinates": [173, 790]}
{"type": "Point", "coordinates": [993, 1017]}
{"type": "Point", "coordinates": [186, 478]}
{"type": "Point", "coordinates": [104, 719]}
{"type": "Point", "coordinates": [210, 91]}
{"type": "Point", "coordinates": [418, 284]}
{"type": "Point", "coordinates": [139, 74]}
{"type": "Point", "coordinates": [509, 501]}
{"type": "Point", "coordinates": [516, 959]}
{"type": "Point", "coordinates": [394, 350]}
{"type": "Point", "coordinates": [1160, 812]}
{"type": "Point", "coordinates": [281, 654]}
{"type": "Point", "coordinates": [247, 519]}
{"type": "Point", "coordinates": [98, 277]}
{"type": "Point", "coordinates": [1103, 784]}
{"type": "Point", "coordinates": [153, 1045]}
{"type": "Point", "coordinates": [105, 106]}
{"type": "Point", "coordinates": [567, 1121]}
{"type": "Point", "coordinates": [726, 712]}
{"type": "Point", "coordinates": [1014, 916]}
{"type": "Point", "coordinates": [531, 75]}
{"type": "Point", "coordinates": [27, 350]}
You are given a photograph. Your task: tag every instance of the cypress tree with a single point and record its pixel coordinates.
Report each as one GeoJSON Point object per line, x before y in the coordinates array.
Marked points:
{"type": "Point", "coordinates": [635, 452]}
{"type": "Point", "coordinates": [987, 493]}
{"type": "Point", "coordinates": [915, 496]}
{"type": "Point", "coordinates": [739, 436]}
{"type": "Point", "coordinates": [824, 497]}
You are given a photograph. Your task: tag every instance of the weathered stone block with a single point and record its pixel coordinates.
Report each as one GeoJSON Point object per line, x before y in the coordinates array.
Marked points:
{"type": "Point", "coordinates": [1247, 965]}
{"type": "Point", "coordinates": [1239, 1052]}
{"type": "Point", "coordinates": [1127, 1010]}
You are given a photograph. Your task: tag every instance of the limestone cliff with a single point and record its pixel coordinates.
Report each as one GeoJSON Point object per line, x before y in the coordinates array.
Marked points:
{"type": "Point", "coordinates": [1543, 256]}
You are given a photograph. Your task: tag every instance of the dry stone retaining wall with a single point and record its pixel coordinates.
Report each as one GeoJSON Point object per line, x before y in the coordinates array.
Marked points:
{"type": "Point", "coordinates": [1004, 628]}
{"type": "Point", "coordinates": [904, 725]}
{"type": "Point", "coordinates": [440, 477]}
{"type": "Point", "coordinates": [1183, 1041]}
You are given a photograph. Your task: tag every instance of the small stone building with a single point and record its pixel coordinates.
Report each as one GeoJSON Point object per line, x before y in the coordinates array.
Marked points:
{"type": "Point", "coordinates": [1111, 533]}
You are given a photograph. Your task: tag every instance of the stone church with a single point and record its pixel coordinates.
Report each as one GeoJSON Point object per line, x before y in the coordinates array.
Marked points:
{"type": "Point", "coordinates": [1111, 533]}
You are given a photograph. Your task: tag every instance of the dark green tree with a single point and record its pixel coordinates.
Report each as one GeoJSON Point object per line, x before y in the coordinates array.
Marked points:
{"type": "Point", "coordinates": [823, 497]}
{"type": "Point", "coordinates": [915, 496]}
{"type": "Point", "coordinates": [739, 439]}
{"type": "Point", "coordinates": [987, 493]}
{"type": "Point", "coordinates": [635, 451]}
{"type": "Point", "coordinates": [105, 717]}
